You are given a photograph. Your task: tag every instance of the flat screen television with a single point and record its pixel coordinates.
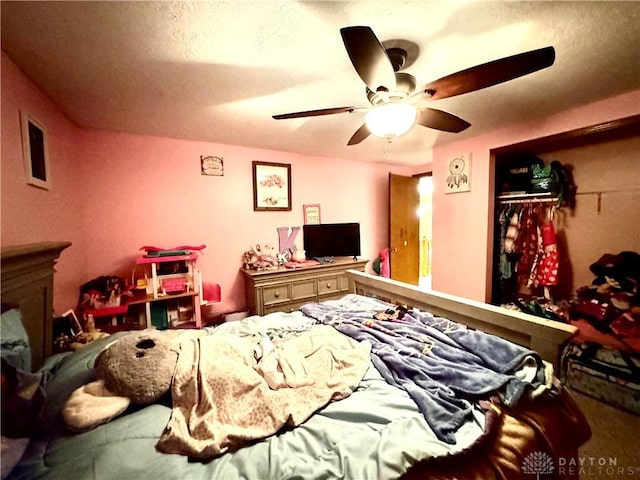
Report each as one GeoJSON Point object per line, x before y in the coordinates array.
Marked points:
{"type": "Point", "coordinates": [331, 240]}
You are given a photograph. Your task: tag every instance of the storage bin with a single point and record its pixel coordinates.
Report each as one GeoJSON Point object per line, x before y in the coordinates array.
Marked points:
{"type": "Point", "coordinates": [606, 374]}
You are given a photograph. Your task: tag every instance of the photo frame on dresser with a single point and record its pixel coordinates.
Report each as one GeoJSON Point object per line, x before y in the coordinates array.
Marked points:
{"type": "Point", "coordinates": [271, 186]}
{"type": "Point", "coordinates": [311, 213]}
{"type": "Point", "coordinates": [35, 151]}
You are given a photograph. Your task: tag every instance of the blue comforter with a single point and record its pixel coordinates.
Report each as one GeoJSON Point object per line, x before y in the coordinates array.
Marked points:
{"type": "Point", "coordinates": [441, 364]}
{"type": "Point", "coordinates": [378, 425]}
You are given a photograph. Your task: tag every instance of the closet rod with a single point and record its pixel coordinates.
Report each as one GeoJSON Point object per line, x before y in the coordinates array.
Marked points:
{"type": "Point", "coordinates": [529, 200]}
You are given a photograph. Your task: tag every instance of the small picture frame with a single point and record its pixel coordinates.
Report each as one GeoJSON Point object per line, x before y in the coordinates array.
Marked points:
{"type": "Point", "coordinates": [311, 213]}
{"type": "Point", "coordinates": [67, 325]}
{"type": "Point", "coordinates": [459, 174]}
{"type": "Point", "coordinates": [35, 151]}
{"type": "Point", "coordinates": [211, 165]}
{"type": "Point", "coordinates": [271, 186]}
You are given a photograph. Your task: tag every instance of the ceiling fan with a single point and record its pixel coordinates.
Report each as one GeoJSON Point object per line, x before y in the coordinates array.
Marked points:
{"type": "Point", "coordinates": [392, 93]}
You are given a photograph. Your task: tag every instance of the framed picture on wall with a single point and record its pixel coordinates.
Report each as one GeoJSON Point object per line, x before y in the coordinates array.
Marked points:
{"type": "Point", "coordinates": [311, 213]}
{"type": "Point", "coordinates": [459, 174]}
{"type": "Point", "coordinates": [271, 186]}
{"type": "Point", "coordinates": [34, 151]}
{"type": "Point", "coordinates": [211, 165]}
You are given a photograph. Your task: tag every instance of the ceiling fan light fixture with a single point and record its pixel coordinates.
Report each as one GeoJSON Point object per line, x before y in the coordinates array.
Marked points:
{"type": "Point", "coordinates": [391, 119]}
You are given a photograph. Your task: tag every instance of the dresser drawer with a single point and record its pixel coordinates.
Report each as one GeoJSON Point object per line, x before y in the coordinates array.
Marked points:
{"type": "Point", "coordinates": [285, 307]}
{"type": "Point", "coordinates": [304, 289]}
{"type": "Point", "coordinates": [328, 285]}
{"type": "Point", "coordinates": [343, 283]}
{"type": "Point", "coordinates": [276, 294]}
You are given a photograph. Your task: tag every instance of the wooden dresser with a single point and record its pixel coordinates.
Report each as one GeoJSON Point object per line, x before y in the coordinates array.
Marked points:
{"type": "Point", "coordinates": [286, 290]}
{"type": "Point", "coordinates": [27, 281]}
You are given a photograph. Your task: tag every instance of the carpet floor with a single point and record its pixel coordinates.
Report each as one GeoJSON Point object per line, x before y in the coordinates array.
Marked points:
{"type": "Point", "coordinates": [613, 452]}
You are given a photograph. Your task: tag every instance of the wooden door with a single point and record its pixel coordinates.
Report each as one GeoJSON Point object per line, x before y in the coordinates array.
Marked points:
{"type": "Point", "coordinates": [404, 228]}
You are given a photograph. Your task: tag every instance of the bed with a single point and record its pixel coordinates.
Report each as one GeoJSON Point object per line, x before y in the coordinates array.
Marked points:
{"type": "Point", "coordinates": [378, 427]}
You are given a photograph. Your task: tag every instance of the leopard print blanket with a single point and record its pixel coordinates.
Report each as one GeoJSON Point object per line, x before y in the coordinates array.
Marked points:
{"type": "Point", "coordinates": [229, 391]}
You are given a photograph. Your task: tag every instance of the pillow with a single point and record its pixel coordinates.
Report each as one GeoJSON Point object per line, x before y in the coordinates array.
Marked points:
{"type": "Point", "coordinates": [14, 341]}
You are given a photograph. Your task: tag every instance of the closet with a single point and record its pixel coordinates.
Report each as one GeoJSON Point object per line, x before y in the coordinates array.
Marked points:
{"type": "Point", "coordinates": [602, 217]}
{"type": "Point", "coordinates": [528, 262]}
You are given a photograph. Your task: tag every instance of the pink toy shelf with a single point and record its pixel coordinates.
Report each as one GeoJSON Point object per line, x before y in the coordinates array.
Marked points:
{"type": "Point", "coordinates": [172, 277]}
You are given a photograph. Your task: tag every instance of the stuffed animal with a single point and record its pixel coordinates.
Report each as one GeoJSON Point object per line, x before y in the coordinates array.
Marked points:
{"type": "Point", "coordinates": [258, 259]}
{"type": "Point", "coordinates": [136, 368]}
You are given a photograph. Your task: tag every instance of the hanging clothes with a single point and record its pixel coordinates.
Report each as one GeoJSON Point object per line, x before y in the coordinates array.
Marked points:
{"type": "Point", "coordinates": [528, 259]}
{"type": "Point", "coordinates": [549, 263]}
{"type": "Point", "coordinates": [527, 244]}
{"type": "Point", "coordinates": [511, 235]}
{"type": "Point", "coordinates": [505, 263]}
{"type": "Point", "coordinates": [533, 273]}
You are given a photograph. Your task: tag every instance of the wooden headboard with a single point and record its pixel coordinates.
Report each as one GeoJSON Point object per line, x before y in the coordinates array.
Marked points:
{"type": "Point", "coordinates": [547, 337]}
{"type": "Point", "coordinates": [27, 280]}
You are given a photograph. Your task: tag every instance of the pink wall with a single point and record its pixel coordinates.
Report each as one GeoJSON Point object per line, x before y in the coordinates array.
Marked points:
{"type": "Point", "coordinates": [463, 221]}
{"type": "Point", "coordinates": [113, 193]}
{"type": "Point", "coordinates": [141, 190]}
{"type": "Point", "coordinates": [31, 214]}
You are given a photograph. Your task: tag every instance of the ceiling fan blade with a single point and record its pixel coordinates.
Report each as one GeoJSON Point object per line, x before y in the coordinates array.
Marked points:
{"type": "Point", "coordinates": [491, 73]}
{"type": "Point", "coordinates": [432, 118]}
{"type": "Point", "coordinates": [362, 133]}
{"type": "Point", "coordinates": [369, 58]}
{"type": "Point", "coordinates": [315, 113]}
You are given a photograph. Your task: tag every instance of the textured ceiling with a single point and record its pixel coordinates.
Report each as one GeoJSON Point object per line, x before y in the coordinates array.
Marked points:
{"type": "Point", "coordinates": [218, 71]}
